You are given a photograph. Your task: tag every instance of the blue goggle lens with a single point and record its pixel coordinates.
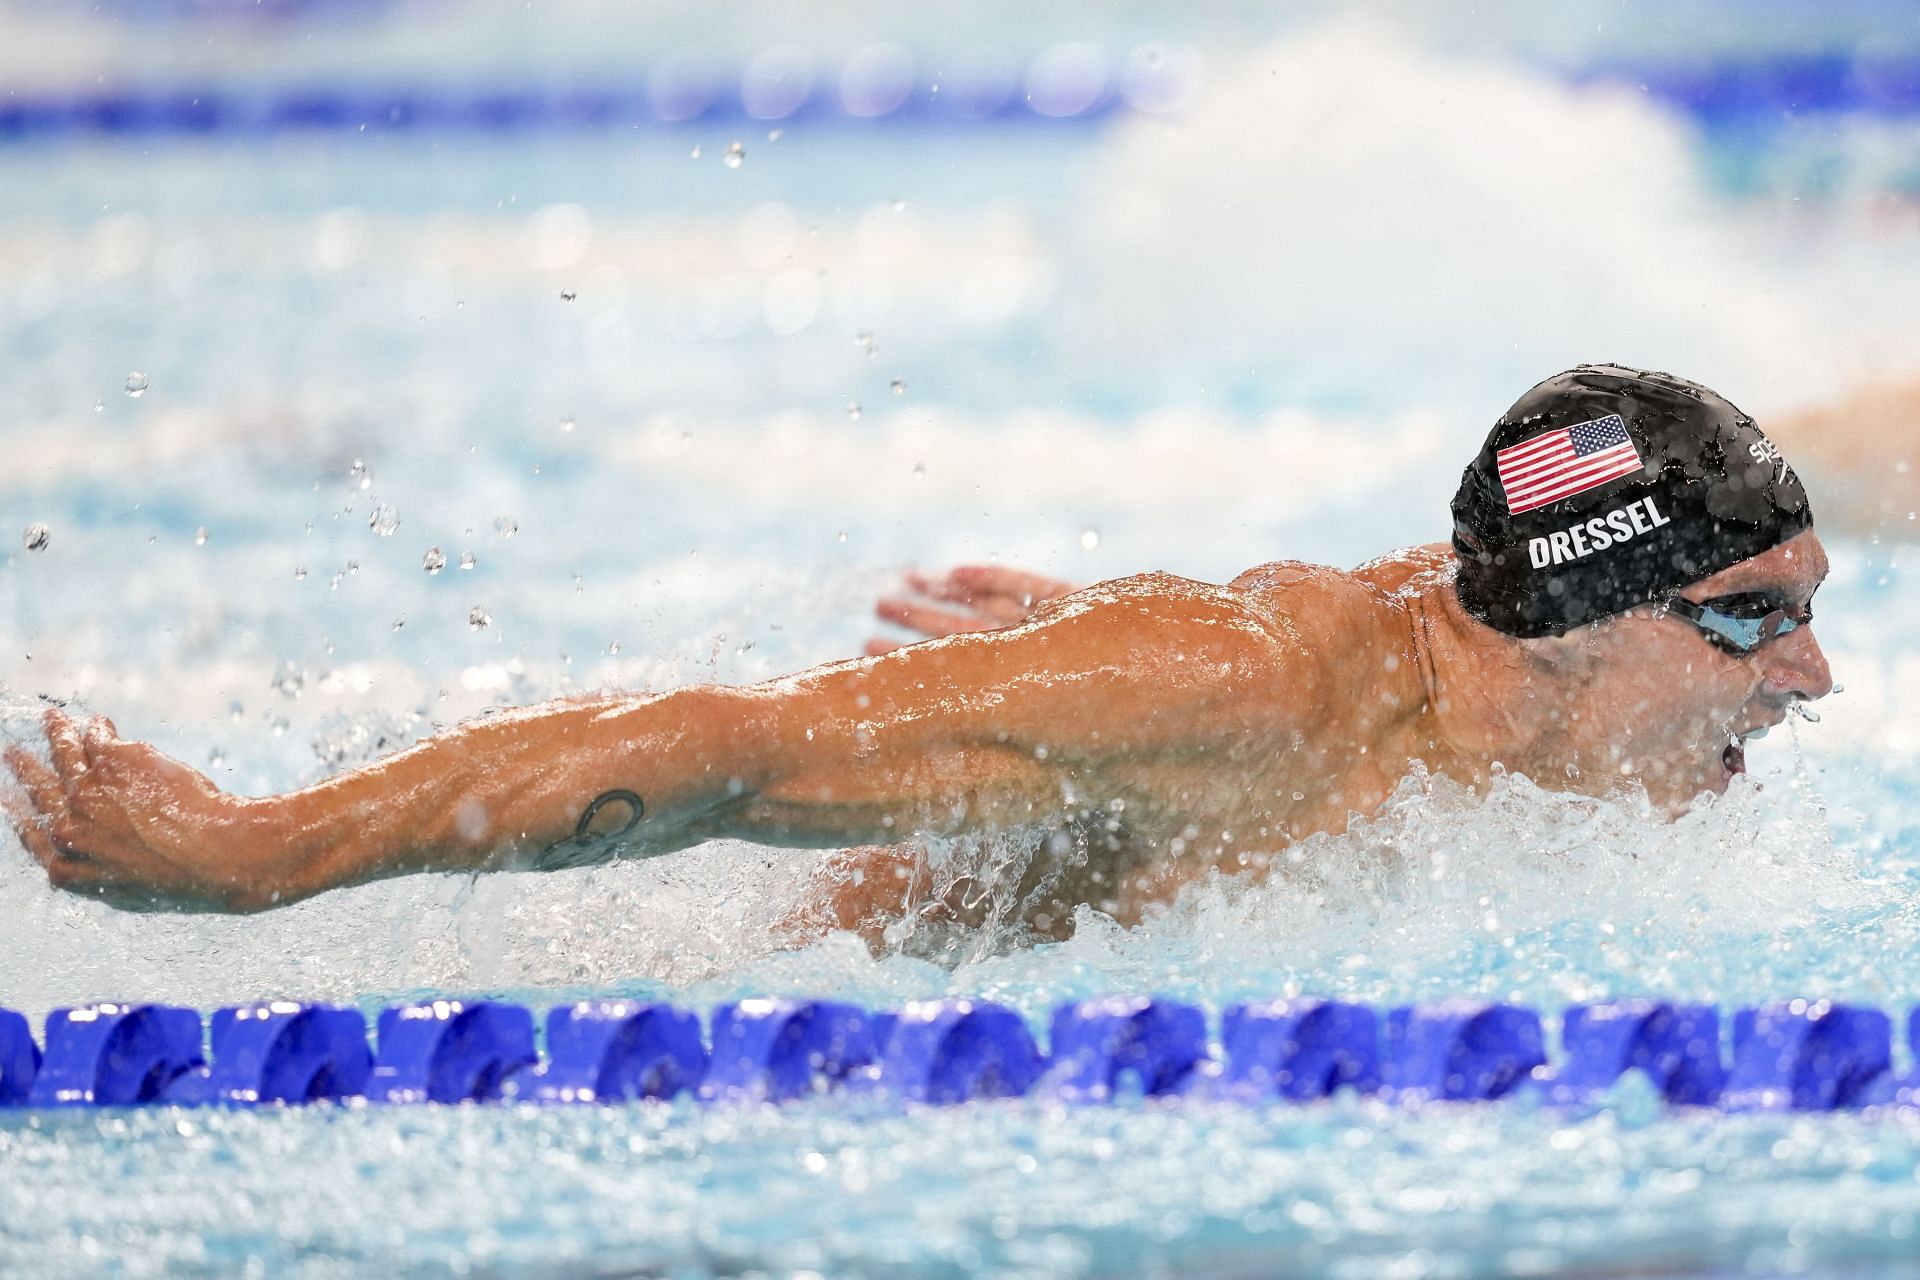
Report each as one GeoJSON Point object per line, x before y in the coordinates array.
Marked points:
{"type": "Point", "coordinates": [1741, 622]}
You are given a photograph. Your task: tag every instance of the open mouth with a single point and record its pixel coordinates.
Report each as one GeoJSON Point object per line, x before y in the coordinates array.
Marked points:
{"type": "Point", "coordinates": [1734, 756]}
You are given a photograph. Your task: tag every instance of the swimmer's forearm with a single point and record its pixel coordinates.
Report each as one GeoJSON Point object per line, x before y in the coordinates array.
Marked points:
{"type": "Point", "coordinates": [560, 784]}
{"type": "Point", "coordinates": [570, 784]}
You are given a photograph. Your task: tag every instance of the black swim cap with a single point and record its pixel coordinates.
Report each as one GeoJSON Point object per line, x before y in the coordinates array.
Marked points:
{"type": "Point", "coordinates": [1606, 487]}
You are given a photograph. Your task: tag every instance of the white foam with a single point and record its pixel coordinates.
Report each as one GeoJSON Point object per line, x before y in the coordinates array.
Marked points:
{"type": "Point", "coordinates": [1441, 228]}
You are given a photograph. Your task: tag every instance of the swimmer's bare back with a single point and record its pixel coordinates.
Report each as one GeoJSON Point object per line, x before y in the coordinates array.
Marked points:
{"type": "Point", "coordinates": [1190, 713]}
{"type": "Point", "coordinates": [866, 889]}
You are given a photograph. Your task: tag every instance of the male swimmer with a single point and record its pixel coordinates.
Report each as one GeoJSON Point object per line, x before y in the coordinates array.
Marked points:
{"type": "Point", "coordinates": [1626, 600]}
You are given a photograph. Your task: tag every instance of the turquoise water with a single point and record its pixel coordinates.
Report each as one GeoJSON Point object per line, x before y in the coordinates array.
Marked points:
{"type": "Point", "coordinates": [1275, 327]}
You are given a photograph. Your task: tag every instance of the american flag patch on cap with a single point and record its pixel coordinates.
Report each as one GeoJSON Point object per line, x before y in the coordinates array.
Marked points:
{"type": "Point", "coordinates": [1559, 463]}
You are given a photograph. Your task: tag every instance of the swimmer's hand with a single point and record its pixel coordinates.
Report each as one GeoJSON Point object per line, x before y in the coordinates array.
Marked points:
{"type": "Point", "coordinates": [987, 597]}
{"type": "Point", "coordinates": [120, 821]}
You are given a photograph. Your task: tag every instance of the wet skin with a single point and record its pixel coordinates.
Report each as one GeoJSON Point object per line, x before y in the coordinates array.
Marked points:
{"type": "Point", "coordinates": [1176, 719]}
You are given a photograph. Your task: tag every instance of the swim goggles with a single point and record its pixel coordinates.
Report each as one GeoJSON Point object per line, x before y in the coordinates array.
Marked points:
{"type": "Point", "coordinates": [1740, 623]}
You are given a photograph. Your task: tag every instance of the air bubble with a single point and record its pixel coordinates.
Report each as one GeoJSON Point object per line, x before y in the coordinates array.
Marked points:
{"type": "Point", "coordinates": [468, 560]}
{"type": "Point", "coordinates": [864, 341]}
{"type": "Point", "coordinates": [399, 623]}
{"type": "Point", "coordinates": [200, 536]}
{"type": "Point", "coordinates": [361, 475]}
{"type": "Point", "coordinates": [735, 154]}
{"type": "Point", "coordinates": [1089, 539]}
{"type": "Point", "coordinates": [919, 471]}
{"type": "Point", "coordinates": [505, 526]}
{"type": "Point", "coordinates": [478, 619]}
{"type": "Point", "coordinates": [695, 153]}
{"type": "Point", "coordinates": [299, 573]}
{"type": "Point", "coordinates": [566, 424]}
{"type": "Point", "coordinates": [853, 410]}
{"type": "Point", "coordinates": [99, 406]}
{"type": "Point", "coordinates": [383, 519]}
{"type": "Point", "coordinates": [137, 385]}
{"type": "Point", "coordinates": [567, 295]}
{"type": "Point", "coordinates": [434, 561]}
{"type": "Point", "coordinates": [37, 536]}
{"type": "Point", "coordinates": [899, 386]}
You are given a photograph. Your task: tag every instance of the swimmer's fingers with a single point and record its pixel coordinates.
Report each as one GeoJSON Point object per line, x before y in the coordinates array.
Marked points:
{"type": "Point", "coordinates": [1015, 586]}
{"type": "Point", "coordinates": [1000, 609]}
{"type": "Point", "coordinates": [42, 785]}
{"type": "Point", "coordinates": [67, 744]}
{"type": "Point", "coordinates": [45, 825]}
{"type": "Point", "coordinates": [24, 813]}
{"type": "Point", "coordinates": [930, 620]}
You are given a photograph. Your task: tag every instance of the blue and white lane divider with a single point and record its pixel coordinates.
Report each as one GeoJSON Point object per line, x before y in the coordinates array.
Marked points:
{"type": "Point", "coordinates": [1792, 1056]}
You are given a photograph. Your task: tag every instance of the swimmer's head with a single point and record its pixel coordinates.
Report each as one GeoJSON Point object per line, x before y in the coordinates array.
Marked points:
{"type": "Point", "coordinates": [1605, 488]}
{"type": "Point", "coordinates": [1657, 554]}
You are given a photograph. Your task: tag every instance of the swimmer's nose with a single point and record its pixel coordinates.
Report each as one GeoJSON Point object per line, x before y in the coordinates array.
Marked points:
{"type": "Point", "coordinates": [1796, 666]}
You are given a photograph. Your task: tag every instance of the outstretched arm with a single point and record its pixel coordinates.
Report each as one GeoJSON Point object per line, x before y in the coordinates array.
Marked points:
{"type": "Point", "coordinates": [979, 731]}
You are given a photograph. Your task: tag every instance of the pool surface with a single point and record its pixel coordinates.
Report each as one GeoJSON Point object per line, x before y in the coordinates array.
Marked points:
{"type": "Point", "coordinates": [688, 419]}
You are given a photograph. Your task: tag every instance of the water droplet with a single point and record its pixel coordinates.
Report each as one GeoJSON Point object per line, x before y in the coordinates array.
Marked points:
{"type": "Point", "coordinates": [334, 583]}
{"type": "Point", "coordinates": [434, 561]}
{"type": "Point", "coordinates": [899, 386]}
{"type": "Point", "coordinates": [1090, 538]}
{"type": "Point", "coordinates": [735, 154]}
{"type": "Point", "coordinates": [299, 573]}
{"type": "Point", "coordinates": [773, 135]}
{"type": "Point", "coordinates": [843, 535]}
{"type": "Point", "coordinates": [919, 471]}
{"type": "Point", "coordinates": [384, 519]}
{"type": "Point", "coordinates": [505, 526]}
{"type": "Point", "coordinates": [853, 409]}
{"type": "Point", "coordinates": [567, 295]}
{"type": "Point", "coordinates": [216, 759]}
{"type": "Point", "coordinates": [478, 619]}
{"type": "Point", "coordinates": [1805, 712]}
{"type": "Point", "coordinates": [361, 475]}
{"type": "Point", "coordinates": [236, 710]}
{"type": "Point", "coordinates": [399, 623]}
{"type": "Point", "coordinates": [99, 406]}
{"type": "Point", "coordinates": [696, 151]}
{"type": "Point", "coordinates": [353, 568]}
{"type": "Point", "coordinates": [288, 680]}
{"type": "Point", "coordinates": [468, 559]}
{"type": "Point", "coordinates": [613, 649]}
{"type": "Point", "coordinates": [864, 341]}
{"type": "Point", "coordinates": [37, 536]}
{"type": "Point", "coordinates": [137, 384]}
{"type": "Point", "coordinates": [200, 536]}
{"type": "Point", "coordinates": [899, 206]}
{"type": "Point", "coordinates": [566, 424]}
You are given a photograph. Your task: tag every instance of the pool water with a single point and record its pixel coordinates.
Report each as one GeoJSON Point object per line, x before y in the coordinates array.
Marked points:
{"type": "Point", "coordinates": [689, 420]}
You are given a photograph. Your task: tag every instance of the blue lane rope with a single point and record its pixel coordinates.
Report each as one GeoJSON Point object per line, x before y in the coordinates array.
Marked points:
{"type": "Point", "coordinates": [1790, 1056]}
{"type": "Point", "coordinates": [1725, 92]}
{"type": "Point", "coordinates": [481, 110]}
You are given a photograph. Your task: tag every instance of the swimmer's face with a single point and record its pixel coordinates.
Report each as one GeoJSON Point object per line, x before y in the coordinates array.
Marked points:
{"type": "Point", "coordinates": [1659, 703]}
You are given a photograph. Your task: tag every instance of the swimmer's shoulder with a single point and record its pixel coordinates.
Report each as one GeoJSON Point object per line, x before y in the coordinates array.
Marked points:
{"type": "Point", "coordinates": [1335, 611]}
